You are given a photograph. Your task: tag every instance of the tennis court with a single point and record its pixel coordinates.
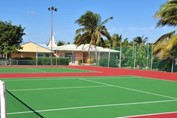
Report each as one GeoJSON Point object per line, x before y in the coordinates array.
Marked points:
{"type": "Point", "coordinates": [89, 97]}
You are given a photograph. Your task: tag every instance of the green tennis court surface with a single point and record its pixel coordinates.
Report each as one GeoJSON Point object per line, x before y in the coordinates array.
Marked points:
{"type": "Point", "coordinates": [39, 70]}
{"type": "Point", "coordinates": [90, 97]}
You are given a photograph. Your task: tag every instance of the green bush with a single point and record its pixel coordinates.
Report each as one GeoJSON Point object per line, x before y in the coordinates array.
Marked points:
{"type": "Point", "coordinates": [23, 61]}
{"type": "Point", "coordinates": [79, 62]}
{"type": "Point", "coordinates": [63, 61]}
{"type": "Point", "coordinates": [47, 61]}
{"type": "Point", "coordinates": [103, 62]}
{"type": "Point", "coordinates": [43, 61]}
{"type": "Point", "coordinates": [113, 62]}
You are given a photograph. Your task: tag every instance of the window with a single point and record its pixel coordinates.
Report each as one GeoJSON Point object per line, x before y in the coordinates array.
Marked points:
{"type": "Point", "coordinates": [71, 56]}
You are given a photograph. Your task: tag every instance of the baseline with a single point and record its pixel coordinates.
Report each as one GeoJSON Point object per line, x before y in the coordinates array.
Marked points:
{"type": "Point", "coordinates": [93, 106]}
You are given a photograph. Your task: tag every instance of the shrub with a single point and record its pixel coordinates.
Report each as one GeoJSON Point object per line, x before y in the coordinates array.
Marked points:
{"type": "Point", "coordinates": [47, 61]}
{"type": "Point", "coordinates": [63, 61]}
{"type": "Point", "coordinates": [43, 61]}
{"type": "Point", "coordinates": [23, 61]}
{"type": "Point", "coordinates": [79, 62]}
{"type": "Point", "coordinates": [112, 62]}
{"type": "Point", "coordinates": [103, 62]}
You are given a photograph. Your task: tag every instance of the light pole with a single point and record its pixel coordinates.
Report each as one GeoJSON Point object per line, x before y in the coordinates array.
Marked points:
{"type": "Point", "coordinates": [52, 10]}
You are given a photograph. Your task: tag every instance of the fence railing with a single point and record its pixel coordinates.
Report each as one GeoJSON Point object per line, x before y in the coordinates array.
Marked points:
{"type": "Point", "coordinates": [139, 57]}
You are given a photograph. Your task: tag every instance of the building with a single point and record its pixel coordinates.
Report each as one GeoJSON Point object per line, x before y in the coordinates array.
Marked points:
{"type": "Point", "coordinates": [32, 50]}
{"type": "Point", "coordinates": [84, 53]}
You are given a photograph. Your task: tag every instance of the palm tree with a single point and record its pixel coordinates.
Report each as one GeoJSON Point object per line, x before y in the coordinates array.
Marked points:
{"type": "Point", "coordinates": [140, 40]}
{"type": "Point", "coordinates": [161, 42]}
{"type": "Point", "coordinates": [115, 42]}
{"type": "Point", "coordinates": [117, 39]}
{"type": "Point", "coordinates": [166, 48]}
{"type": "Point", "coordinates": [139, 51]}
{"type": "Point", "coordinates": [125, 42]}
{"type": "Point", "coordinates": [60, 43]}
{"type": "Point", "coordinates": [92, 29]}
{"type": "Point", "coordinates": [167, 14]}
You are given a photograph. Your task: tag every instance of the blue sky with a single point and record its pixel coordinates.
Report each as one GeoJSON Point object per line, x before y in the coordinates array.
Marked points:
{"type": "Point", "coordinates": [131, 18]}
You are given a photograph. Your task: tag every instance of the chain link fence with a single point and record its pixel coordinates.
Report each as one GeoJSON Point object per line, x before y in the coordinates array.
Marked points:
{"type": "Point", "coordinates": [141, 57]}
{"type": "Point", "coordinates": [134, 57]}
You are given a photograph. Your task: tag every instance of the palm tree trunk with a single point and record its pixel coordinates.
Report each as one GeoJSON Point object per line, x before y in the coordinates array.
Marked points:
{"type": "Point", "coordinates": [172, 65]}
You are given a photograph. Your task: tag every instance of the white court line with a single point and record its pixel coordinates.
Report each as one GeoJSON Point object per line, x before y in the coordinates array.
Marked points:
{"type": "Point", "coordinates": [148, 114]}
{"type": "Point", "coordinates": [55, 88]}
{"type": "Point", "coordinates": [92, 106]}
{"type": "Point", "coordinates": [43, 79]}
{"type": "Point", "coordinates": [60, 78]}
{"type": "Point", "coordinates": [131, 89]}
{"type": "Point", "coordinates": [54, 78]}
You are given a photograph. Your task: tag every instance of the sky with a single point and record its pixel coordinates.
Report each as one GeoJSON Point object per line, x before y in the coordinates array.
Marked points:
{"type": "Point", "coordinates": [131, 18]}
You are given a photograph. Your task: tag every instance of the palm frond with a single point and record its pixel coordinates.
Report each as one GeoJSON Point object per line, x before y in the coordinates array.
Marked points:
{"type": "Point", "coordinates": [88, 20]}
{"type": "Point", "coordinates": [164, 37]}
{"type": "Point", "coordinates": [105, 33]}
{"type": "Point", "coordinates": [172, 43]}
{"type": "Point", "coordinates": [83, 39]}
{"type": "Point", "coordinates": [166, 46]}
{"type": "Point", "coordinates": [76, 38]}
{"type": "Point", "coordinates": [81, 30]}
{"type": "Point", "coordinates": [105, 21]}
{"type": "Point", "coordinates": [92, 29]}
{"type": "Point", "coordinates": [167, 14]}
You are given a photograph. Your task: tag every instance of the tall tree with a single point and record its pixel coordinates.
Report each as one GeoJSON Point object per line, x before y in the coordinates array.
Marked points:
{"type": "Point", "coordinates": [117, 39]}
{"type": "Point", "coordinates": [139, 51]}
{"type": "Point", "coordinates": [167, 14]}
{"type": "Point", "coordinates": [92, 29]}
{"type": "Point", "coordinates": [140, 40]}
{"type": "Point", "coordinates": [10, 38]}
{"type": "Point", "coordinates": [125, 43]}
{"type": "Point", "coordinates": [60, 43]}
{"type": "Point", "coordinates": [115, 42]}
{"type": "Point", "coordinates": [166, 48]}
{"type": "Point", "coordinates": [159, 45]}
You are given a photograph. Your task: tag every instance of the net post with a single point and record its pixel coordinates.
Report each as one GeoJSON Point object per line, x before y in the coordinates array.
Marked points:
{"type": "Point", "coordinates": [3, 99]}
